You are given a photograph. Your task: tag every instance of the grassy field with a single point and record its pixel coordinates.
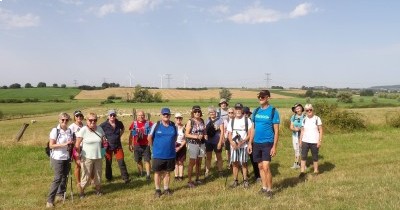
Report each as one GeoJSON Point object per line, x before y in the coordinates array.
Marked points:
{"type": "Point", "coordinates": [359, 170]}
{"type": "Point", "coordinates": [48, 93]}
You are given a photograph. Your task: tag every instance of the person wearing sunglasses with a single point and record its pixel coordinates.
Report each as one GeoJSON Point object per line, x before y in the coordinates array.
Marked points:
{"type": "Point", "coordinates": [113, 129]}
{"type": "Point", "coordinates": [266, 132]}
{"type": "Point", "coordinates": [310, 139]}
{"type": "Point", "coordinates": [75, 127]}
{"type": "Point", "coordinates": [195, 133]}
{"type": "Point", "coordinates": [92, 138]}
{"type": "Point", "coordinates": [295, 126]}
{"type": "Point", "coordinates": [162, 138]}
{"type": "Point", "coordinates": [180, 147]}
{"type": "Point", "coordinates": [231, 115]}
{"type": "Point", "coordinates": [60, 141]}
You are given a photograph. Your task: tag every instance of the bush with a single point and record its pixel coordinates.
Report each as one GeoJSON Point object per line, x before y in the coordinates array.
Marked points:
{"type": "Point", "coordinates": [393, 119]}
{"type": "Point", "coordinates": [143, 95]}
{"type": "Point", "coordinates": [225, 93]}
{"type": "Point", "coordinates": [374, 100]}
{"type": "Point", "coordinates": [335, 119]}
{"type": "Point", "coordinates": [28, 85]}
{"type": "Point", "coordinates": [107, 101]}
{"type": "Point", "coordinates": [345, 97]}
{"type": "Point", "coordinates": [113, 97]}
{"type": "Point", "coordinates": [367, 92]}
{"type": "Point", "coordinates": [15, 86]}
{"type": "Point", "coordinates": [41, 84]}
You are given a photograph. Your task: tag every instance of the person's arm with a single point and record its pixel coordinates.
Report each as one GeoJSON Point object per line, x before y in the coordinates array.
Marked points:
{"type": "Point", "coordinates": [233, 144]}
{"type": "Point", "coordinates": [301, 136]}
{"type": "Point", "coordinates": [276, 138]}
{"type": "Point", "coordinates": [221, 136]}
{"type": "Point", "coordinates": [251, 139]}
{"type": "Point", "coordinates": [320, 136]}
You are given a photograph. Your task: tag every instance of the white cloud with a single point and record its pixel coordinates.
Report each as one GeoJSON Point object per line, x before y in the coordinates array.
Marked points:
{"type": "Point", "coordinates": [10, 20]}
{"type": "Point", "coordinates": [301, 10]}
{"type": "Point", "coordinates": [106, 9]}
{"type": "Point", "coordinates": [220, 9]}
{"type": "Point", "coordinates": [258, 14]}
{"type": "Point", "coordinates": [255, 15]}
{"type": "Point", "coordinates": [74, 2]}
{"type": "Point", "coordinates": [139, 6]}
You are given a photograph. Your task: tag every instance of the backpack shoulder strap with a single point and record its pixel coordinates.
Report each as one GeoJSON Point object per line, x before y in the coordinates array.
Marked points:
{"type": "Point", "coordinates": [253, 117]}
{"type": "Point", "coordinates": [232, 122]}
{"type": "Point", "coordinates": [246, 124]}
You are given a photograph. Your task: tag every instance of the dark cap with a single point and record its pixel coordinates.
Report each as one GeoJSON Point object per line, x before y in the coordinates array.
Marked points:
{"type": "Point", "coordinates": [165, 111]}
{"type": "Point", "coordinates": [296, 105]}
{"type": "Point", "coordinates": [78, 112]}
{"type": "Point", "coordinates": [238, 106]}
{"type": "Point", "coordinates": [246, 110]}
{"type": "Point", "coordinates": [264, 93]}
{"type": "Point", "coordinates": [196, 107]}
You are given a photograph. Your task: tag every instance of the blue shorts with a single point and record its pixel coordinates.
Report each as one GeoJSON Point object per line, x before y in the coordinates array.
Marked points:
{"type": "Point", "coordinates": [261, 152]}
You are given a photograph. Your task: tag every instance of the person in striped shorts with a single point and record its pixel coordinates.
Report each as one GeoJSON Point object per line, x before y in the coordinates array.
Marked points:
{"type": "Point", "coordinates": [238, 130]}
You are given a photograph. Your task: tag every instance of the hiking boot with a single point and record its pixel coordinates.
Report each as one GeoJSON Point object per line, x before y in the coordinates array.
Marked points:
{"type": "Point", "coordinates": [269, 194]}
{"type": "Point", "coordinates": [148, 178]}
{"type": "Point", "coordinates": [157, 194]}
{"type": "Point", "coordinates": [234, 184]}
{"type": "Point", "coordinates": [246, 184]}
{"type": "Point", "coordinates": [295, 166]}
{"type": "Point", "coordinates": [167, 192]}
{"type": "Point", "coordinates": [206, 174]}
{"type": "Point", "coordinates": [177, 178]}
{"type": "Point", "coordinates": [127, 181]}
{"type": "Point", "coordinates": [180, 178]}
{"type": "Point", "coordinates": [191, 185]}
{"type": "Point", "coordinates": [81, 195]}
{"type": "Point", "coordinates": [198, 182]}
{"type": "Point", "coordinates": [49, 205]}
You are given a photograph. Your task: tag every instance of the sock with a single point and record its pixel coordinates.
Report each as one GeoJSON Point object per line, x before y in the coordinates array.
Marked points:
{"type": "Point", "coordinates": [264, 188]}
{"type": "Point", "coordinates": [166, 187]}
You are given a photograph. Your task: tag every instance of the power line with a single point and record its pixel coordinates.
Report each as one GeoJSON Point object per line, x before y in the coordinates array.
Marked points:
{"type": "Point", "coordinates": [168, 78]}
{"type": "Point", "coordinates": [267, 79]}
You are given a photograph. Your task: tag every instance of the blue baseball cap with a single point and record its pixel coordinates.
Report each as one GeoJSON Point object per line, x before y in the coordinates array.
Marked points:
{"type": "Point", "coordinates": [165, 111]}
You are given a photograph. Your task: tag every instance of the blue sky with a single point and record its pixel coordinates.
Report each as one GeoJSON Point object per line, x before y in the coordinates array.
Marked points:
{"type": "Point", "coordinates": [231, 43]}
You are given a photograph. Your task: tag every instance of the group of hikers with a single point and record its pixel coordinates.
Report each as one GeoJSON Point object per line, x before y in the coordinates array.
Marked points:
{"type": "Point", "coordinates": [244, 134]}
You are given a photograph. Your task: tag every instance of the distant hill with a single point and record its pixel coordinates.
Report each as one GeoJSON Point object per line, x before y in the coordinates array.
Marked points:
{"type": "Point", "coordinates": [386, 87]}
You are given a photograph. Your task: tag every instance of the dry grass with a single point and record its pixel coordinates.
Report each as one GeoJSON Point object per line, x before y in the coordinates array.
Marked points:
{"type": "Point", "coordinates": [171, 94]}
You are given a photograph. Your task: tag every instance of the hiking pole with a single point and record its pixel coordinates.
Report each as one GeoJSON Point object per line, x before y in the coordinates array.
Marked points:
{"type": "Point", "coordinates": [70, 174]}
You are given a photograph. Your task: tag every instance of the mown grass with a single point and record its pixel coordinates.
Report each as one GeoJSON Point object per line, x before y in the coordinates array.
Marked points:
{"type": "Point", "coordinates": [45, 94]}
{"type": "Point", "coordinates": [359, 170]}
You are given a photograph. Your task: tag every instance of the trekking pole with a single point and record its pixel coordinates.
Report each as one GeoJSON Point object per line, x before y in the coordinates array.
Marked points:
{"type": "Point", "coordinates": [70, 175]}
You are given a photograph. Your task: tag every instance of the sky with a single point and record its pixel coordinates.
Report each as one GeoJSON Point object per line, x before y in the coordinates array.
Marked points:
{"type": "Point", "coordinates": [200, 43]}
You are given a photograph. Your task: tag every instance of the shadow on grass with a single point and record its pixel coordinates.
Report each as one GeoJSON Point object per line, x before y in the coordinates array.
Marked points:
{"type": "Point", "coordinates": [293, 181]}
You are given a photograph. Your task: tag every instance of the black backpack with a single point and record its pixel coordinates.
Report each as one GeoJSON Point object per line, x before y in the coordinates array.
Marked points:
{"type": "Point", "coordinates": [210, 128]}
{"type": "Point", "coordinates": [47, 148]}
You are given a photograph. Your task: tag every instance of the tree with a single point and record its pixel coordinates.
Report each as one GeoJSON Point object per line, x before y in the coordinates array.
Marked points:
{"type": "Point", "coordinates": [225, 93]}
{"type": "Point", "coordinates": [345, 97]}
{"type": "Point", "coordinates": [41, 85]}
{"type": "Point", "coordinates": [55, 85]}
{"type": "Point", "coordinates": [142, 95]}
{"type": "Point", "coordinates": [28, 85]}
{"type": "Point", "coordinates": [15, 86]}
{"type": "Point", "coordinates": [309, 93]}
{"type": "Point", "coordinates": [63, 86]}
{"type": "Point", "coordinates": [367, 92]}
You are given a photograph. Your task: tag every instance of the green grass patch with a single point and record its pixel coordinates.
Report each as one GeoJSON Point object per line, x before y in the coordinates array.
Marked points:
{"type": "Point", "coordinates": [43, 94]}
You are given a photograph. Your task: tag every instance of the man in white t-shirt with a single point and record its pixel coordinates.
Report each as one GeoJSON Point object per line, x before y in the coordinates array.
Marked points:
{"type": "Point", "coordinates": [238, 131]}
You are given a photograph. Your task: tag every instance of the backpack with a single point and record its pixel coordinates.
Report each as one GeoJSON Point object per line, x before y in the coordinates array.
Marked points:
{"type": "Point", "coordinates": [210, 128]}
{"type": "Point", "coordinates": [47, 148]}
{"type": "Point", "coordinates": [246, 124]}
{"type": "Point", "coordinates": [170, 122]}
{"type": "Point", "coordinates": [147, 128]}
{"type": "Point", "coordinates": [253, 117]}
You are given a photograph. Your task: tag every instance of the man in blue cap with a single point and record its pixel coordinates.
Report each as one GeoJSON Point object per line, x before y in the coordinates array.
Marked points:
{"type": "Point", "coordinates": [162, 138]}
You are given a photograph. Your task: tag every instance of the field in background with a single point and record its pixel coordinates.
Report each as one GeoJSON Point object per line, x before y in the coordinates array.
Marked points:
{"type": "Point", "coordinates": [171, 94]}
{"type": "Point", "coordinates": [39, 93]}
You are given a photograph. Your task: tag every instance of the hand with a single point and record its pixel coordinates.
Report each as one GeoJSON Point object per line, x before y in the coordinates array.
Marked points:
{"type": "Point", "coordinates": [273, 151]}
{"type": "Point", "coordinates": [219, 145]}
{"type": "Point", "coordinates": [249, 148]}
{"type": "Point", "coordinates": [131, 148]}
{"type": "Point", "coordinates": [319, 144]}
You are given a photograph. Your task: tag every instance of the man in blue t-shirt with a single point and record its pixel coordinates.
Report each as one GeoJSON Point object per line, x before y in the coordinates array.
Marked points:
{"type": "Point", "coordinates": [266, 131]}
{"type": "Point", "coordinates": [162, 138]}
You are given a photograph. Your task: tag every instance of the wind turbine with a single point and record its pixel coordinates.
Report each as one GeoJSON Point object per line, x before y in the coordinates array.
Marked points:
{"type": "Point", "coordinates": [130, 79]}
{"type": "Point", "coordinates": [162, 77]}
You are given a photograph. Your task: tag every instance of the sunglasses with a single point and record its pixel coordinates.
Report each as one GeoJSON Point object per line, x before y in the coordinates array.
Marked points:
{"type": "Point", "coordinates": [261, 97]}
{"type": "Point", "coordinates": [308, 110]}
{"type": "Point", "coordinates": [230, 112]}
{"type": "Point", "coordinates": [113, 115]}
{"type": "Point", "coordinates": [196, 111]}
{"type": "Point", "coordinates": [179, 118]}
{"type": "Point", "coordinates": [64, 120]}
{"type": "Point", "coordinates": [79, 115]}
{"type": "Point", "coordinates": [92, 120]}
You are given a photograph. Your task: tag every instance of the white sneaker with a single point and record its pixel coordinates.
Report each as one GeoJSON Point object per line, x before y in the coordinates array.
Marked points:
{"type": "Point", "coordinates": [295, 166]}
{"type": "Point", "coordinates": [49, 205]}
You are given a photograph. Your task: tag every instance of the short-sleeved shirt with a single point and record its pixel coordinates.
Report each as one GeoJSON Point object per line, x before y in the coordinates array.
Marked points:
{"type": "Point", "coordinates": [113, 135]}
{"type": "Point", "coordinates": [239, 128]}
{"type": "Point", "coordinates": [181, 135]}
{"type": "Point", "coordinates": [263, 123]}
{"type": "Point", "coordinates": [140, 134]}
{"type": "Point", "coordinates": [311, 132]}
{"type": "Point", "coordinates": [222, 114]}
{"type": "Point", "coordinates": [164, 139]}
{"type": "Point", "coordinates": [91, 143]}
{"type": "Point", "coordinates": [74, 128]}
{"type": "Point", "coordinates": [215, 139]}
{"type": "Point", "coordinates": [297, 122]}
{"type": "Point", "coordinates": [62, 138]}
